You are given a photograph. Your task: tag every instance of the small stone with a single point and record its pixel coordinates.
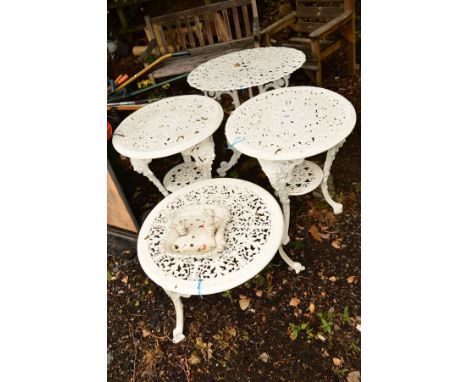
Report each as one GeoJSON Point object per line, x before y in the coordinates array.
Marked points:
{"type": "Point", "coordinates": [353, 376]}
{"type": "Point", "coordinates": [337, 361]}
{"type": "Point", "coordinates": [264, 357]}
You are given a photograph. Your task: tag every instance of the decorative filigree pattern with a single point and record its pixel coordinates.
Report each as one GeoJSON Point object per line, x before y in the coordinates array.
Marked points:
{"type": "Point", "coordinates": [254, 217]}
{"type": "Point", "coordinates": [182, 175]}
{"type": "Point", "coordinates": [246, 68]}
{"type": "Point", "coordinates": [291, 123]}
{"type": "Point", "coordinates": [167, 127]}
{"type": "Point", "coordinates": [305, 178]}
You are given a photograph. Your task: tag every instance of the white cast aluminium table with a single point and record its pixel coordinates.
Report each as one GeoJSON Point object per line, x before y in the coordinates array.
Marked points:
{"type": "Point", "coordinates": [253, 236]}
{"type": "Point", "coordinates": [283, 127]}
{"type": "Point", "coordinates": [265, 68]}
{"type": "Point", "coordinates": [181, 124]}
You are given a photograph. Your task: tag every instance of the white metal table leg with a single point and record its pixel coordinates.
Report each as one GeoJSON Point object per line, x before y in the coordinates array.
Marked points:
{"type": "Point", "coordinates": [337, 207]}
{"type": "Point", "coordinates": [281, 83]}
{"type": "Point", "coordinates": [224, 166]}
{"type": "Point", "coordinates": [177, 333]}
{"type": "Point", "coordinates": [279, 174]}
{"type": "Point", "coordinates": [141, 167]}
{"type": "Point", "coordinates": [187, 158]}
{"type": "Point", "coordinates": [204, 155]}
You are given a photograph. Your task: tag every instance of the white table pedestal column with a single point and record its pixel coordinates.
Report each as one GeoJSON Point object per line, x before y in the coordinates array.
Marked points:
{"type": "Point", "coordinates": [141, 167]}
{"type": "Point", "coordinates": [279, 174]}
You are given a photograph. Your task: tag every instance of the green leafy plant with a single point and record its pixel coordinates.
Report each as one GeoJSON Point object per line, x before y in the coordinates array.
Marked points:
{"type": "Point", "coordinates": [326, 322]}
{"type": "Point", "coordinates": [295, 329]}
{"type": "Point", "coordinates": [297, 244]}
{"type": "Point", "coordinates": [345, 316]}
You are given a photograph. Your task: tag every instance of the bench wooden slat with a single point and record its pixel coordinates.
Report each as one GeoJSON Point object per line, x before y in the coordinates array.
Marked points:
{"type": "Point", "coordinates": [190, 33]}
{"type": "Point", "coordinates": [226, 21]}
{"type": "Point", "coordinates": [207, 19]}
{"type": "Point", "coordinates": [172, 39]}
{"type": "Point", "coordinates": [320, 13]}
{"type": "Point", "coordinates": [161, 38]}
{"type": "Point", "coordinates": [245, 13]}
{"type": "Point", "coordinates": [306, 27]}
{"type": "Point", "coordinates": [201, 10]}
{"type": "Point", "coordinates": [236, 22]}
{"type": "Point", "coordinates": [201, 40]}
{"type": "Point", "coordinates": [181, 35]}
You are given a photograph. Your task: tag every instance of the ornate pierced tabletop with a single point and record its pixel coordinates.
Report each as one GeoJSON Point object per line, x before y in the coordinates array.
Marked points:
{"type": "Point", "coordinates": [181, 124]}
{"type": "Point", "coordinates": [252, 237]}
{"type": "Point", "coordinates": [283, 127]}
{"type": "Point", "coordinates": [265, 68]}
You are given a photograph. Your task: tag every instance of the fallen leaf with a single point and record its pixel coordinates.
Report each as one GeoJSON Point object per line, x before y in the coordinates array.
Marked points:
{"type": "Point", "coordinates": [194, 359]}
{"type": "Point", "coordinates": [314, 232]}
{"type": "Point", "coordinates": [353, 376]}
{"type": "Point", "coordinates": [325, 236]}
{"type": "Point", "coordinates": [145, 333]}
{"type": "Point", "coordinates": [259, 293]}
{"type": "Point", "coordinates": [358, 327]}
{"type": "Point", "coordinates": [336, 243]}
{"type": "Point", "coordinates": [124, 279]}
{"type": "Point", "coordinates": [337, 361]}
{"type": "Point", "coordinates": [320, 337]}
{"type": "Point", "coordinates": [231, 331]}
{"type": "Point", "coordinates": [294, 301]}
{"type": "Point", "coordinates": [350, 279]}
{"type": "Point", "coordinates": [332, 279]}
{"type": "Point", "coordinates": [311, 308]}
{"type": "Point", "coordinates": [244, 303]}
{"type": "Point", "coordinates": [264, 357]}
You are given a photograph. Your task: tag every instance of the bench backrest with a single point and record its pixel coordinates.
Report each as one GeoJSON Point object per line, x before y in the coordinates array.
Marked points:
{"type": "Point", "coordinates": [218, 23]}
{"type": "Point", "coordinates": [313, 13]}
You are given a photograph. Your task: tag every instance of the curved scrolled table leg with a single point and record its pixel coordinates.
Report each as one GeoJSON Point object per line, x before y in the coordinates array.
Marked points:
{"type": "Point", "coordinates": [281, 83]}
{"type": "Point", "coordinates": [279, 174]}
{"type": "Point", "coordinates": [217, 96]}
{"type": "Point", "coordinates": [337, 207]}
{"type": "Point", "coordinates": [177, 333]}
{"type": "Point", "coordinates": [204, 155]}
{"type": "Point", "coordinates": [224, 166]}
{"type": "Point", "coordinates": [141, 167]}
{"type": "Point", "coordinates": [296, 266]}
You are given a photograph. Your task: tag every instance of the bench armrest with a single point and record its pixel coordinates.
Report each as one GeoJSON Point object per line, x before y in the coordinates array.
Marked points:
{"type": "Point", "coordinates": [280, 24]}
{"type": "Point", "coordinates": [331, 26]}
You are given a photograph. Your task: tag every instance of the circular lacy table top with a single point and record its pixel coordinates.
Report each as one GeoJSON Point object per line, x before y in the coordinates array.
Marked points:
{"type": "Point", "coordinates": [253, 236]}
{"type": "Point", "coordinates": [246, 68]}
{"type": "Point", "coordinates": [290, 123]}
{"type": "Point", "coordinates": [167, 127]}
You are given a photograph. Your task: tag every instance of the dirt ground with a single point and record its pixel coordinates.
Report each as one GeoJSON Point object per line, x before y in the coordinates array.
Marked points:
{"type": "Point", "coordinates": [302, 327]}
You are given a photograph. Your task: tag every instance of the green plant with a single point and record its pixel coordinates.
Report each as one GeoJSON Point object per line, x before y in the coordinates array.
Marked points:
{"type": "Point", "coordinates": [295, 329]}
{"type": "Point", "coordinates": [297, 244]}
{"type": "Point", "coordinates": [227, 294]}
{"type": "Point", "coordinates": [345, 316]}
{"type": "Point", "coordinates": [340, 372]}
{"type": "Point", "coordinates": [326, 322]}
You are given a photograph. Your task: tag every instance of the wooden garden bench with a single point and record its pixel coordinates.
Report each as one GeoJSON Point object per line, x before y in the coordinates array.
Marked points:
{"type": "Point", "coordinates": [207, 32]}
{"type": "Point", "coordinates": [321, 28]}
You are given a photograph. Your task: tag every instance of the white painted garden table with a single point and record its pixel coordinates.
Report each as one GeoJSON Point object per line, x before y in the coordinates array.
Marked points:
{"type": "Point", "coordinates": [283, 127]}
{"type": "Point", "coordinates": [265, 68]}
{"type": "Point", "coordinates": [253, 235]}
{"type": "Point", "coordinates": [181, 124]}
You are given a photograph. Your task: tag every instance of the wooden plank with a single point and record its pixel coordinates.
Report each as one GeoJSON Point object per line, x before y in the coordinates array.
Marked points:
{"type": "Point", "coordinates": [118, 211]}
{"type": "Point", "coordinates": [181, 34]}
{"type": "Point", "coordinates": [209, 33]}
{"type": "Point", "coordinates": [245, 13]}
{"type": "Point", "coordinates": [201, 40]}
{"type": "Point", "coordinates": [150, 29]}
{"type": "Point", "coordinates": [190, 33]}
{"type": "Point", "coordinates": [235, 15]}
{"type": "Point", "coordinates": [319, 13]}
{"type": "Point", "coordinates": [227, 23]}
{"type": "Point", "coordinates": [182, 65]}
{"type": "Point", "coordinates": [321, 2]}
{"type": "Point", "coordinates": [201, 10]}
{"type": "Point", "coordinates": [333, 25]}
{"type": "Point", "coordinates": [172, 39]}
{"type": "Point", "coordinates": [243, 43]}
{"type": "Point", "coordinates": [331, 49]}
{"type": "Point", "coordinates": [304, 27]}
{"type": "Point", "coordinates": [161, 39]}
